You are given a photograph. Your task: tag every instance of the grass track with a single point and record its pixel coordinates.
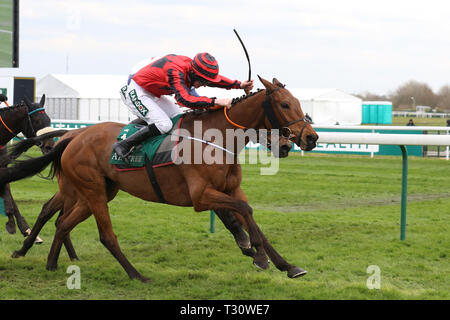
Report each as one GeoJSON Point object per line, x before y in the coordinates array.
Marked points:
{"type": "Point", "coordinates": [332, 215]}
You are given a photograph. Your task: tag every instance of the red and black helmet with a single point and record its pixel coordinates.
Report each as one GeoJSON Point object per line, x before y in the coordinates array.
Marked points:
{"type": "Point", "coordinates": [206, 66]}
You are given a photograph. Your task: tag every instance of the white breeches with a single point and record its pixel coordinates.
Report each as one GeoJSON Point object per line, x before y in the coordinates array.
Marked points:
{"type": "Point", "coordinates": [152, 109]}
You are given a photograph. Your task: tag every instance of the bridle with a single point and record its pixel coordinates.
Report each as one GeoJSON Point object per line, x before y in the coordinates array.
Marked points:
{"type": "Point", "coordinates": [269, 113]}
{"type": "Point", "coordinates": [29, 123]}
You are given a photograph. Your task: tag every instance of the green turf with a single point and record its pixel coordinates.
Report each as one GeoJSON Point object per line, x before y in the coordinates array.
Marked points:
{"type": "Point", "coordinates": [434, 122]}
{"type": "Point", "coordinates": [331, 215]}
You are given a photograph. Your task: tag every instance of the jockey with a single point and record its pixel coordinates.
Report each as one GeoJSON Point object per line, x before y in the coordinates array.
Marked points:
{"type": "Point", "coordinates": [147, 87]}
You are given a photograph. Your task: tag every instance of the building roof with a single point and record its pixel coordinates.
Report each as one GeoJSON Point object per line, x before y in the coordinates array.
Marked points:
{"type": "Point", "coordinates": [303, 94]}
{"type": "Point", "coordinates": [81, 85]}
{"type": "Point", "coordinates": [322, 94]}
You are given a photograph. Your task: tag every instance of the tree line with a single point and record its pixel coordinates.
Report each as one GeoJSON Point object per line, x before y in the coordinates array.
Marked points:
{"type": "Point", "coordinates": [414, 93]}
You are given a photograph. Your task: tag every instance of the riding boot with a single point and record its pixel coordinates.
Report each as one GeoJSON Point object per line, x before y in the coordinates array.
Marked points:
{"type": "Point", "coordinates": [123, 148]}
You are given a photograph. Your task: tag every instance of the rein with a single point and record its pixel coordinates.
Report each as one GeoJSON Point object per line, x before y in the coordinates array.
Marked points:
{"type": "Point", "coordinates": [29, 122]}
{"type": "Point", "coordinates": [4, 124]}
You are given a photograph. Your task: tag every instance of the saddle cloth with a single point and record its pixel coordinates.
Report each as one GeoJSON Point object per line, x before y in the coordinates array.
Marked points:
{"type": "Point", "coordinates": [158, 150]}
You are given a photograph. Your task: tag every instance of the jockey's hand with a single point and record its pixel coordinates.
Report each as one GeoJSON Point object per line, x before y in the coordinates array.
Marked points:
{"type": "Point", "coordinates": [247, 86]}
{"type": "Point", "coordinates": [3, 98]}
{"type": "Point", "coordinates": [223, 102]}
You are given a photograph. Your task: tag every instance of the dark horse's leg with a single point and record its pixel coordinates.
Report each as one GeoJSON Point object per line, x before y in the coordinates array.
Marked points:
{"type": "Point", "coordinates": [13, 211]}
{"type": "Point", "coordinates": [10, 206]}
{"type": "Point", "coordinates": [49, 209]}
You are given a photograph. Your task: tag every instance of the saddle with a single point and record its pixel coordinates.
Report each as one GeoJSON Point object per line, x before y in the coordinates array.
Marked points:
{"type": "Point", "coordinates": [152, 153]}
{"type": "Point", "coordinates": [157, 150]}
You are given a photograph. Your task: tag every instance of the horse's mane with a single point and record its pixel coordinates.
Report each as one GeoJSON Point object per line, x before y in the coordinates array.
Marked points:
{"type": "Point", "coordinates": [234, 101]}
{"type": "Point", "coordinates": [11, 108]}
{"type": "Point", "coordinates": [245, 96]}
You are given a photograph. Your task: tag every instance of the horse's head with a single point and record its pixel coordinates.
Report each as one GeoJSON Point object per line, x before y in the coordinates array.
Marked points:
{"type": "Point", "coordinates": [39, 123]}
{"type": "Point", "coordinates": [284, 112]}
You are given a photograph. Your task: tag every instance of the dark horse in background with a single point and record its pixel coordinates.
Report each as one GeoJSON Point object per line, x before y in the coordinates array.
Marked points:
{"type": "Point", "coordinates": [31, 120]}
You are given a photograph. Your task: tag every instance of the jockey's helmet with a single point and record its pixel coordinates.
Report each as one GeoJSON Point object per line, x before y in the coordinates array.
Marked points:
{"type": "Point", "coordinates": [206, 67]}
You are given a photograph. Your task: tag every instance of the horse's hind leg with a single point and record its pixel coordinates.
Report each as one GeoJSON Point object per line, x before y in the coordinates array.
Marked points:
{"type": "Point", "coordinates": [80, 213]}
{"type": "Point", "coordinates": [13, 212]}
{"type": "Point", "coordinates": [67, 242]}
{"type": "Point", "coordinates": [11, 223]}
{"type": "Point", "coordinates": [109, 239]}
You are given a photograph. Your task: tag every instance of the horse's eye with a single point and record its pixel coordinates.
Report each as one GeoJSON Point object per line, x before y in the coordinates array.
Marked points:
{"type": "Point", "coordinates": [285, 105]}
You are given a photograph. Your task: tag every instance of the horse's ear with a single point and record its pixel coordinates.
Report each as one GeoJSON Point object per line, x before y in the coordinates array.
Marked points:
{"type": "Point", "coordinates": [42, 102]}
{"type": "Point", "coordinates": [27, 101]}
{"type": "Point", "coordinates": [269, 86]}
{"type": "Point", "coordinates": [277, 83]}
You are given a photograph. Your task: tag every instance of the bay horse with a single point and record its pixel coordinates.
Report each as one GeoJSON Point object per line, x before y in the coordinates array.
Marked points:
{"type": "Point", "coordinates": [81, 164]}
{"type": "Point", "coordinates": [30, 119]}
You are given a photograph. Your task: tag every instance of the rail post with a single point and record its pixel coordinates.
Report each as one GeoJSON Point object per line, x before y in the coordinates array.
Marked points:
{"type": "Point", "coordinates": [212, 221]}
{"type": "Point", "coordinates": [404, 192]}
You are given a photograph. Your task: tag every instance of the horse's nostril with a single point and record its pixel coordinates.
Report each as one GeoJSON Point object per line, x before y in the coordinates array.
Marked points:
{"type": "Point", "coordinates": [312, 137]}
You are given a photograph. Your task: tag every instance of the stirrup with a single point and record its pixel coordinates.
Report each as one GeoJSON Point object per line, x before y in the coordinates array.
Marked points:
{"type": "Point", "coordinates": [125, 156]}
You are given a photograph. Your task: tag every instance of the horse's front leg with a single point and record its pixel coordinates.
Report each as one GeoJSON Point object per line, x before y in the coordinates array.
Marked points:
{"type": "Point", "coordinates": [241, 238]}
{"type": "Point", "coordinates": [276, 258]}
{"type": "Point", "coordinates": [211, 199]}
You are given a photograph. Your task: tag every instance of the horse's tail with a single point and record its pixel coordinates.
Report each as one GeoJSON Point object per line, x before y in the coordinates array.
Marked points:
{"type": "Point", "coordinates": [27, 168]}
{"type": "Point", "coordinates": [15, 151]}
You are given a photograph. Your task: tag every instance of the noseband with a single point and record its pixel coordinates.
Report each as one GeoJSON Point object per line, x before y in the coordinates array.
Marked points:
{"type": "Point", "coordinates": [269, 112]}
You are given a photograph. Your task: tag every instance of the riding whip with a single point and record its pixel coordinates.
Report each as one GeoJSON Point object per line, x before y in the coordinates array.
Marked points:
{"type": "Point", "coordinates": [246, 54]}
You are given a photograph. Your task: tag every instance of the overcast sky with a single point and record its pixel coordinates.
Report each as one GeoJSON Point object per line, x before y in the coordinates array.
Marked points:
{"type": "Point", "coordinates": [352, 45]}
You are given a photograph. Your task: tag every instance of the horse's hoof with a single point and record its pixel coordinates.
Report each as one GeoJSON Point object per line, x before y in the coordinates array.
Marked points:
{"type": "Point", "coordinates": [249, 252]}
{"type": "Point", "coordinates": [145, 280]}
{"type": "Point", "coordinates": [296, 272]}
{"type": "Point", "coordinates": [17, 254]}
{"type": "Point", "coordinates": [263, 264]}
{"type": "Point", "coordinates": [52, 268]}
{"type": "Point", "coordinates": [142, 279]}
{"type": "Point", "coordinates": [10, 227]}
{"type": "Point", "coordinates": [242, 241]}
{"type": "Point", "coordinates": [38, 240]}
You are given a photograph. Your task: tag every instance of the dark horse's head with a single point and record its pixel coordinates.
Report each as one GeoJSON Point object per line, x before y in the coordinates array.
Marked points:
{"type": "Point", "coordinates": [285, 113]}
{"type": "Point", "coordinates": [38, 123]}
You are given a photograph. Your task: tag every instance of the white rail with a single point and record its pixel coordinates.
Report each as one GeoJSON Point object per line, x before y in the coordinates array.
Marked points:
{"type": "Point", "coordinates": [386, 139]}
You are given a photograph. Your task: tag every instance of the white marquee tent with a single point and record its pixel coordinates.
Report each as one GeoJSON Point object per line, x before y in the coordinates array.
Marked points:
{"type": "Point", "coordinates": [96, 98]}
{"type": "Point", "coordinates": [330, 106]}
{"type": "Point", "coordinates": [84, 97]}
{"type": "Point", "coordinates": [325, 106]}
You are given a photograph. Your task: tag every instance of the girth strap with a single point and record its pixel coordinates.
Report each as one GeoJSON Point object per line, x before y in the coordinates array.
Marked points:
{"type": "Point", "coordinates": [153, 181]}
